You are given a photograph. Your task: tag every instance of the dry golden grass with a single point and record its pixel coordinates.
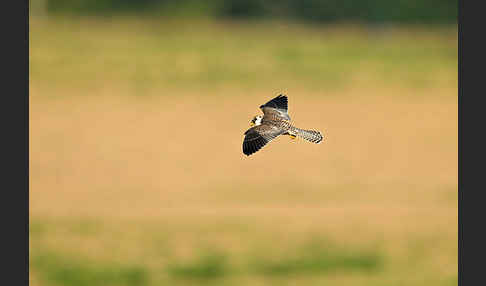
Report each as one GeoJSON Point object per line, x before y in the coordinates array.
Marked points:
{"type": "Point", "coordinates": [152, 176]}
{"type": "Point", "coordinates": [187, 151]}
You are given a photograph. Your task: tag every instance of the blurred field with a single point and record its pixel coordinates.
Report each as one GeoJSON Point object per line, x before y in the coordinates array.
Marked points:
{"type": "Point", "coordinates": [137, 175]}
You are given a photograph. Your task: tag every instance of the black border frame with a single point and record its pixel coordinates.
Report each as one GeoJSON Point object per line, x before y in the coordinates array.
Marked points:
{"type": "Point", "coordinates": [15, 138]}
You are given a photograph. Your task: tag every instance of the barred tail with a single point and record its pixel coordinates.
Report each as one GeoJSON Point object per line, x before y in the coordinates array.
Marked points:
{"type": "Point", "coordinates": [309, 135]}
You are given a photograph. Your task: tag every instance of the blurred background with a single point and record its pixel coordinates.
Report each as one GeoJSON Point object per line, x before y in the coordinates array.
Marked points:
{"type": "Point", "coordinates": [137, 115]}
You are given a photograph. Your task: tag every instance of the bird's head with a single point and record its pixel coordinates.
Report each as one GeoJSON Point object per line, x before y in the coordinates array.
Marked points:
{"type": "Point", "coordinates": [257, 120]}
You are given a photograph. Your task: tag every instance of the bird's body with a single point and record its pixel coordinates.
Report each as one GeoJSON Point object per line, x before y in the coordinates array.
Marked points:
{"type": "Point", "coordinates": [274, 122]}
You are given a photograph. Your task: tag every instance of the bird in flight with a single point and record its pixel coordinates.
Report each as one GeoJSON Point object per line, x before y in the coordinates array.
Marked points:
{"type": "Point", "coordinates": [274, 122]}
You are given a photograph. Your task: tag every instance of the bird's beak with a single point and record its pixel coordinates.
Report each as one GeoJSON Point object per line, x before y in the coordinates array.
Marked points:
{"type": "Point", "coordinates": [252, 123]}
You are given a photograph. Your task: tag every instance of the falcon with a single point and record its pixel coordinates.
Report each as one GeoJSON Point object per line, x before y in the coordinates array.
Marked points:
{"type": "Point", "coordinates": [274, 122]}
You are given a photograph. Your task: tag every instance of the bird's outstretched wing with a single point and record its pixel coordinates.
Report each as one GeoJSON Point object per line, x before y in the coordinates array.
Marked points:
{"type": "Point", "coordinates": [256, 137]}
{"type": "Point", "coordinates": [276, 107]}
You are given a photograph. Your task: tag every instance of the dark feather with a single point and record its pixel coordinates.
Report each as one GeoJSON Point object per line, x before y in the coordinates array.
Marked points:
{"type": "Point", "coordinates": [258, 136]}
{"type": "Point", "coordinates": [279, 102]}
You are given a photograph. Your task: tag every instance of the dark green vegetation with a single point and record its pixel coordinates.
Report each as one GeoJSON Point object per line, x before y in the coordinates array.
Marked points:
{"type": "Point", "coordinates": [373, 11]}
{"type": "Point", "coordinates": [207, 266]}
{"type": "Point", "coordinates": [72, 271]}
{"type": "Point", "coordinates": [319, 261]}
{"type": "Point", "coordinates": [73, 268]}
